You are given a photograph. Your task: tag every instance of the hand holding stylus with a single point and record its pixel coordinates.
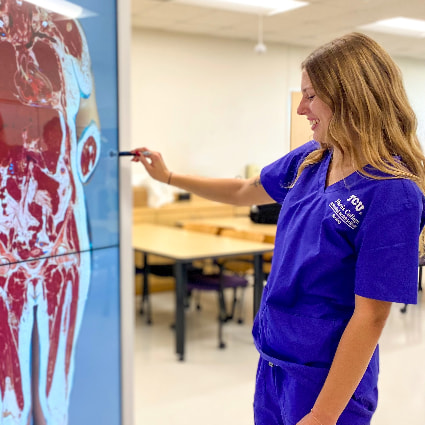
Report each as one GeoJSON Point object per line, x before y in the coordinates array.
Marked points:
{"type": "Point", "coordinates": [153, 163]}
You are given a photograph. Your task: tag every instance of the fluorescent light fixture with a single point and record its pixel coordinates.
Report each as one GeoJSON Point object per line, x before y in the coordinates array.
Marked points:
{"type": "Point", "coordinates": [63, 7]}
{"type": "Point", "coordinates": [259, 7]}
{"type": "Point", "coordinates": [399, 26]}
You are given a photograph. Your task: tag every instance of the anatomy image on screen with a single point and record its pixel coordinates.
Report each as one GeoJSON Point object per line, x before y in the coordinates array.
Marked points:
{"type": "Point", "coordinates": [49, 147]}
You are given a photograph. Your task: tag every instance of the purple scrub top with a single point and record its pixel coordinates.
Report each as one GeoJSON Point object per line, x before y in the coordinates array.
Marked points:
{"type": "Point", "coordinates": [358, 236]}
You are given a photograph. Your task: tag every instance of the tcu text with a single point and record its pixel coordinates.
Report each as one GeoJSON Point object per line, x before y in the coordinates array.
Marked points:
{"type": "Point", "coordinates": [356, 202]}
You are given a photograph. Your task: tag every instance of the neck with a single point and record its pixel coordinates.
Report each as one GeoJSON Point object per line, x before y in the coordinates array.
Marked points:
{"type": "Point", "coordinates": [341, 160]}
{"type": "Point", "coordinates": [340, 167]}
{"type": "Point", "coordinates": [344, 161]}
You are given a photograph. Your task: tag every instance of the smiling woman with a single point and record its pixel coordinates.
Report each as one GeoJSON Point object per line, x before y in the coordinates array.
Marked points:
{"type": "Point", "coordinates": [351, 198]}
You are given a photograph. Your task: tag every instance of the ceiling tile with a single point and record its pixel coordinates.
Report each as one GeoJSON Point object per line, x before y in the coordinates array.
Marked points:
{"type": "Point", "coordinates": [310, 26]}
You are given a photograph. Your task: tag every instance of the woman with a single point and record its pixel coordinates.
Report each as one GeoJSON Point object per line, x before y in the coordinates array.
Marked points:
{"type": "Point", "coordinates": [347, 237]}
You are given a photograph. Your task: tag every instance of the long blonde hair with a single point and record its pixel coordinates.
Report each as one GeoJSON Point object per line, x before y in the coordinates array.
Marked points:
{"type": "Point", "coordinates": [363, 87]}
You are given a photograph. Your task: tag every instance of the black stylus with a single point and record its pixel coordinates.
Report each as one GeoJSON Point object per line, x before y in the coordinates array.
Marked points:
{"type": "Point", "coordinates": [126, 153]}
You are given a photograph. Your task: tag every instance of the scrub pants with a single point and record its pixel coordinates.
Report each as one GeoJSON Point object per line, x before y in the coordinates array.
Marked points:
{"type": "Point", "coordinates": [284, 394]}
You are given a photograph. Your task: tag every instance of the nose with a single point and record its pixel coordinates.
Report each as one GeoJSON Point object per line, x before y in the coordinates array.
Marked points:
{"type": "Point", "coordinates": [302, 107]}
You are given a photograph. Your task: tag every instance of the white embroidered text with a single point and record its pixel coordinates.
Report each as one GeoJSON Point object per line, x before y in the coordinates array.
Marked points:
{"type": "Point", "coordinates": [344, 214]}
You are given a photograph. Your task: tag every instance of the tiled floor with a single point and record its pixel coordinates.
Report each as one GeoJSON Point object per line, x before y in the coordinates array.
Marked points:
{"type": "Point", "coordinates": [215, 386]}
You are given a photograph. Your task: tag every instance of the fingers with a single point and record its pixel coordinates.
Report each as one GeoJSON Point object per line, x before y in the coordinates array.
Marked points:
{"type": "Point", "coordinates": [139, 153]}
{"type": "Point", "coordinates": [145, 161]}
{"type": "Point", "coordinates": [152, 162]}
{"type": "Point", "coordinates": [146, 156]}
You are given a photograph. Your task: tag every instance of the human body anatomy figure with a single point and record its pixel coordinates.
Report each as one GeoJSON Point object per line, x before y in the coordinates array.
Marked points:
{"type": "Point", "coordinates": [49, 147]}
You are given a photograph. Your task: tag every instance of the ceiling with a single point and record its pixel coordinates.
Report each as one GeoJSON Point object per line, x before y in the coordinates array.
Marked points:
{"type": "Point", "coordinates": [310, 26]}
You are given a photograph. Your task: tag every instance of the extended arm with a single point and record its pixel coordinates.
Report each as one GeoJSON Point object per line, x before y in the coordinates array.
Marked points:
{"type": "Point", "coordinates": [352, 357]}
{"type": "Point", "coordinates": [230, 191]}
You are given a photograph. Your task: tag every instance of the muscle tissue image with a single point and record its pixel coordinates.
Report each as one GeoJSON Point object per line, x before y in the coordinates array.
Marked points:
{"type": "Point", "coordinates": [49, 147]}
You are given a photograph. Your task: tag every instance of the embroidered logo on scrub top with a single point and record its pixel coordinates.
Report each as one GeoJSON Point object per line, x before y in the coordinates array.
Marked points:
{"type": "Point", "coordinates": [347, 214]}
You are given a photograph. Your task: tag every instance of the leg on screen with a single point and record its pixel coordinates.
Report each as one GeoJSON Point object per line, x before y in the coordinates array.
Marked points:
{"type": "Point", "coordinates": [59, 320]}
{"type": "Point", "coordinates": [16, 321]}
{"type": "Point", "coordinates": [37, 413]}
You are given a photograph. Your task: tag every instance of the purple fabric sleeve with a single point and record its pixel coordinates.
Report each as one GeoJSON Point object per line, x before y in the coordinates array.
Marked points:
{"type": "Point", "coordinates": [278, 176]}
{"type": "Point", "coordinates": [388, 243]}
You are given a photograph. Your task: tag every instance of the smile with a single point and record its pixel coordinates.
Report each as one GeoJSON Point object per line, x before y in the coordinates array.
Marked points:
{"type": "Point", "coordinates": [314, 123]}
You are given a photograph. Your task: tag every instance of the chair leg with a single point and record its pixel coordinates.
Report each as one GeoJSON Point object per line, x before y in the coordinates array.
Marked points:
{"type": "Point", "coordinates": [198, 300]}
{"type": "Point", "coordinates": [187, 299]}
{"type": "Point", "coordinates": [241, 306]}
{"type": "Point", "coordinates": [222, 318]}
{"type": "Point", "coordinates": [146, 300]}
{"type": "Point", "coordinates": [234, 302]}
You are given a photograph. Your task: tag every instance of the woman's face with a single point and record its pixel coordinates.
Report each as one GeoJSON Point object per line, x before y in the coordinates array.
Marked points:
{"type": "Point", "coordinates": [317, 112]}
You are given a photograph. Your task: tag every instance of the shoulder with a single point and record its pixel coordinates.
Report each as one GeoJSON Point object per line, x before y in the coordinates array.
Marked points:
{"type": "Point", "coordinates": [294, 158]}
{"type": "Point", "coordinates": [385, 186]}
{"type": "Point", "coordinates": [396, 193]}
{"type": "Point", "coordinates": [396, 198]}
{"type": "Point", "coordinates": [304, 150]}
{"type": "Point", "coordinates": [279, 175]}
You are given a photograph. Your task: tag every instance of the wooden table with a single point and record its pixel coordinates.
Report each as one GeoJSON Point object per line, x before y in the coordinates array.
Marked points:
{"type": "Point", "coordinates": [237, 223]}
{"type": "Point", "coordinates": [184, 246]}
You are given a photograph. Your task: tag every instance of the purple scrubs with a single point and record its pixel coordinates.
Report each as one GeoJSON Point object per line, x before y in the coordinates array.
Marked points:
{"type": "Point", "coordinates": [357, 236]}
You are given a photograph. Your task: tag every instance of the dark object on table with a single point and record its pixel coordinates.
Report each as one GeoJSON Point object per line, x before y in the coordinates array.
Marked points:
{"type": "Point", "coordinates": [265, 214]}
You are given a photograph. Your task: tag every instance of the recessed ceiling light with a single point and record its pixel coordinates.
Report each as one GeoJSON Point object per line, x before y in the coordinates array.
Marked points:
{"type": "Point", "coordinates": [399, 26]}
{"type": "Point", "coordinates": [259, 7]}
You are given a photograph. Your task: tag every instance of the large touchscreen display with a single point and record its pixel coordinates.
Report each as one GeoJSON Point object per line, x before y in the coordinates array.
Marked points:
{"type": "Point", "coordinates": [58, 207]}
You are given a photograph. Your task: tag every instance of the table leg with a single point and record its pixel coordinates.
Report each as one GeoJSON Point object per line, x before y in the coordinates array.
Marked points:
{"type": "Point", "coordinates": [145, 295]}
{"type": "Point", "coordinates": [258, 281]}
{"type": "Point", "coordinates": [181, 275]}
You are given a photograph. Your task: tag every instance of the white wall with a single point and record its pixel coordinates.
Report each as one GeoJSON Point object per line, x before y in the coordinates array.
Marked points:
{"type": "Point", "coordinates": [212, 105]}
{"type": "Point", "coordinates": [414, 81]}
{"type": "Point", "coordinates": [126, 218]}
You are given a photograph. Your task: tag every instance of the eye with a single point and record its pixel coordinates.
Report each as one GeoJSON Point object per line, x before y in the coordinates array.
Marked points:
{"type": "Point", "coordinates": [311, 97]}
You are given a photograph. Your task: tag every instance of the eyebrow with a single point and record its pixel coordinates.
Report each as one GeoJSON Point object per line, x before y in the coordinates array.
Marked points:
{"type": "Point", "coordinates": [307, 88]}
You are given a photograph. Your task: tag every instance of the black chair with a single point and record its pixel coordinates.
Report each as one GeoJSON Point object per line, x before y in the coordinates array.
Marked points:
{"type": "Point", "coordinates": [161, 268]}
{"type": "Point", "coordinates": [211, 277]}
{"type": "Point", "coordinates": [156, 266]}
{"type": "Point", "coordinates": [219, 282]}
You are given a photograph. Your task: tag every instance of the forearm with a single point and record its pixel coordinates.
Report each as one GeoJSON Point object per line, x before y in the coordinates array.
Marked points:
{"type": "Point", "coordinates": [229, 191]}
{"type": "Point", "coordinates": [352, 357]}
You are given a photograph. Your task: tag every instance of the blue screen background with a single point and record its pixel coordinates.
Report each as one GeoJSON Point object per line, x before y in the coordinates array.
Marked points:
{"type": "Point", "coordinates": [96, 393]}
{"type": "Point", "coordinates": [101, 192]}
